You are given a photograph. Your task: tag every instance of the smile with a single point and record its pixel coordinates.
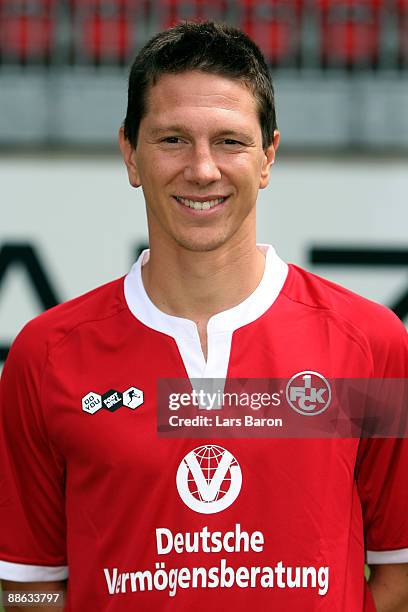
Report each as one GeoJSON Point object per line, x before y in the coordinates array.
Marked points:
{"type": "Point", "coordinates": [200, 205]}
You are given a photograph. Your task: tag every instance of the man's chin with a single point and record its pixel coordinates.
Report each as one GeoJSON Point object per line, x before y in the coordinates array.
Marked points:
{"type": "Point", "coordinates": [201, 245]}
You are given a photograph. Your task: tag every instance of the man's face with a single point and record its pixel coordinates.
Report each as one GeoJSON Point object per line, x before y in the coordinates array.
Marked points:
{"type": "Point", "coordinates": [200, 161]}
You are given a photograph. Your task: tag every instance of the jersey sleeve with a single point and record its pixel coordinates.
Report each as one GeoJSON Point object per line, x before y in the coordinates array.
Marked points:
{"type": "Point", "coordinates": [32, 473]}
{"type": "Point", "coordinates": [382, 465]}
{"type": "Point", "coordinates": [383, 487]}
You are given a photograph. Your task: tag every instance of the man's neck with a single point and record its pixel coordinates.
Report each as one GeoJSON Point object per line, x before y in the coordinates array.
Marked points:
{"type": "Point", "coordinates": [198, 285]}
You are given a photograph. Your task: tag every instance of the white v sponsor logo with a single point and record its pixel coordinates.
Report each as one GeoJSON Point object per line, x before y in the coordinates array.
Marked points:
{"type": "Point", "coordinates": [202, 478]}
{"type": "Point", "coordinates": [209, 490]}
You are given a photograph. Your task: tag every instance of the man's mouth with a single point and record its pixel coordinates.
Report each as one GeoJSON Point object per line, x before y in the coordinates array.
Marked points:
{"type": "Point", "coordinates": [200, 204]}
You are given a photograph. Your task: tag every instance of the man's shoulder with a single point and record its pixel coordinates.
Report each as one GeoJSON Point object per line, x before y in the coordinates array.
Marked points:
{"type": "Point", "coordinates": [52, 326]}
{"type": "Point", "coordinates": [376, 323]}
{"type": "Point", "coordinates": [317, 292]}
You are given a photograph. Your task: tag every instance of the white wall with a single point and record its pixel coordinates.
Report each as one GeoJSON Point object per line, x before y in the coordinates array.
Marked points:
{"type": "Point", "coordinates": [86, 221]}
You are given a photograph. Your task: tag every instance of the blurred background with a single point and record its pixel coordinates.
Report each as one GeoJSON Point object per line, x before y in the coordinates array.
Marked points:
{"type": "Point", "coordinates": [338, 198]}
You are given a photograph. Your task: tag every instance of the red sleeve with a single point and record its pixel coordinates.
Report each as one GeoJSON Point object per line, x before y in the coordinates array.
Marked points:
{"type": "Point", "coordinates": [383, 487]}
{"type": "Point", "coordinates": [32, 518]}
{"type": "Point", "coordinates": [382, 466]}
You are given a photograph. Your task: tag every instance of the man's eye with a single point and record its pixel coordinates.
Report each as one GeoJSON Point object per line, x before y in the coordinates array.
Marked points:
{"type": "Point", "coordinates": [172, 139]}
{"type": "Point", "coordinates": [230, 141]}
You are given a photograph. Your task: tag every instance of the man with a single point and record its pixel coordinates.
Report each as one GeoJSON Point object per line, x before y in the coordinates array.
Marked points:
{"type": "Point", "coordinates": [137, 521]}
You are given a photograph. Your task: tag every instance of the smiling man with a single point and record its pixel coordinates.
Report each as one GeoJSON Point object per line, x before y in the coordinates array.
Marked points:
{"type": "Point", "coordinates": [140, 522]}
{"type": "Point", "coordinates": [201, 161]}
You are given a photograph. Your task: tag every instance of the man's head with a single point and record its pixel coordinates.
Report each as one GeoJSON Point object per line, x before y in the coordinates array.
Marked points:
{"type": "Point", "coordinates": [199, 135]}
{"type": "Point", "coordinates": [209, 47]}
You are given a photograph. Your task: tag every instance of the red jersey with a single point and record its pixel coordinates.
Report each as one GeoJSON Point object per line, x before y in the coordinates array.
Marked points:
{"type": "Point", "coordinates": [89, 490]}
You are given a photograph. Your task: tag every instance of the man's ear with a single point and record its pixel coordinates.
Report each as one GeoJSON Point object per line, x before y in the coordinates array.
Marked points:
{"type": "Point", "coordinates": [129, 157]}
{"type": "Point", "coordinates": [268, 160]}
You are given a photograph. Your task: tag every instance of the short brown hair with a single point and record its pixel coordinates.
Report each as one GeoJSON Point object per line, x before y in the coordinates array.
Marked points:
{"type": "Point", "coordinates": [210, 47]}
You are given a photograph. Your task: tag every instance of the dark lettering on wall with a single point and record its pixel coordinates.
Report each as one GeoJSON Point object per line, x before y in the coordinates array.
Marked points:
{"type": "Point", "coordinates": [27, 257]}
{"type": "Point", "coordinates": [365, 257]}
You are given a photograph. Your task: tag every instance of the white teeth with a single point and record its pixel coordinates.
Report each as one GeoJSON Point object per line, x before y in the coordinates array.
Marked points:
{"type": "Point", "coordinates": [200, 205]}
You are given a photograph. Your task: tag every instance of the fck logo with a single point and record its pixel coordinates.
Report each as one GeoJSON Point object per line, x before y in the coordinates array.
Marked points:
{"type": "Point", "coordinates": [308, 393]}
{"type": "Point", "coordinates": [209, 479]}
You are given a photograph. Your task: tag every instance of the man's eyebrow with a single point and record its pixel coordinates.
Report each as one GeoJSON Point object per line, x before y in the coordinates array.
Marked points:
{"type": "Point", "coordinates": [168, 128]}
{"type": "Point", "coordinates": [230, 133]}
{"type": "Point", "coordinates": [236, 134]}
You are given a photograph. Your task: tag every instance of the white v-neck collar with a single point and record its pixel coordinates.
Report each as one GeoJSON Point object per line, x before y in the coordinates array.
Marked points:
{"type": "Point", "coordinates": [220, 326]}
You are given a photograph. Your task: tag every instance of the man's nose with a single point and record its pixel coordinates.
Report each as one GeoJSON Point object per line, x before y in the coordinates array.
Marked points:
{"type": "Point", "coordinates": [201, 167]}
